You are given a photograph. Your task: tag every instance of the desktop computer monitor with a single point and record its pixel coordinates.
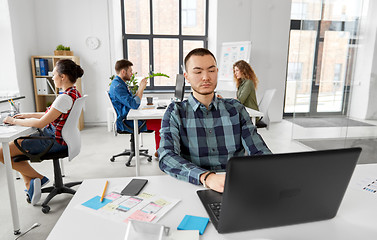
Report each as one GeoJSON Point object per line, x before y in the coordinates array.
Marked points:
{"type": "Point", "coordinates": [179, 87]}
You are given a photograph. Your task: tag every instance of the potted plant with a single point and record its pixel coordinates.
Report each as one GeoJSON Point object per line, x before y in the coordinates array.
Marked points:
{"type": "Point", "coordinates": [61, 50]}
{"type": "Point", "coordinates": [133, 84]}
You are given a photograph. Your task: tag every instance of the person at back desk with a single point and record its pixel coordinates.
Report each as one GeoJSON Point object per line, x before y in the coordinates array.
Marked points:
{"type": "Point", "coordinates": [123, 100]}
{"type": "Point", "coordinates": [200, 134]}
{"type": "Point", "coordinates": [246, 82]}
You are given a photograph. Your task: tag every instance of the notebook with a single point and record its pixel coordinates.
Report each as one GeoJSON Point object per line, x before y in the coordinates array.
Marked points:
{"type": "Point", "coordinates": [280, 189]}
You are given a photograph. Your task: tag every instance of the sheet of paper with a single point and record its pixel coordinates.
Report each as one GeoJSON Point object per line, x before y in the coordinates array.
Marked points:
{"type": "Point", "coordinates": [141, 216]}
{"type": "Point", "coordinates": [147, 207]}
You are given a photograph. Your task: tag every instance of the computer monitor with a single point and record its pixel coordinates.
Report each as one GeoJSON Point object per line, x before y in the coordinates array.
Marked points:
{"type": "Point", "coordinates": [179, 87]}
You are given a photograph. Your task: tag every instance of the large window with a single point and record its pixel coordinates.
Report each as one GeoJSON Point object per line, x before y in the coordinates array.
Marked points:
{"type": "Point", "coordinates": [158, 34]}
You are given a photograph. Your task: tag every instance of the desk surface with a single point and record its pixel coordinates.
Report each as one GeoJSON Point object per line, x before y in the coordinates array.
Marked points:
{"type": "Point", "coordinates": [153, 113]}
{"type": "Point", "coordinates": [356, 217]}
{"type": "Point", "coordinates": [9, 133]}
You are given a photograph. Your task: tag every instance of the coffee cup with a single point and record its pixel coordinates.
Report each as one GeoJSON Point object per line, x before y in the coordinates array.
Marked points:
{"type": "Point", "coordinates": [149, 100]}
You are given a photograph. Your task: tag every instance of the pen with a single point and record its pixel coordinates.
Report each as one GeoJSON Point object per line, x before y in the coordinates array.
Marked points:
{"type": "Point", "coordinates": [14, 105]}
{"type": "Point", "coordinates": [104, 191]}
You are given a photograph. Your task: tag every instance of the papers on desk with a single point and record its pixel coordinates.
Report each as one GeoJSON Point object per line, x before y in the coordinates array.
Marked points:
{"type": "Point", "coordinates": [367, 184]}
{"type": "Point", "coordinates": [145, 207]}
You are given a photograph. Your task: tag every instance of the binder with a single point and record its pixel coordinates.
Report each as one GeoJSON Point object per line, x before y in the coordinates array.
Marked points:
{"type": "Point", "coordinates": [37, 68]}
{"type": "Point", "coordinates": [42, 86]}
{"type": "Point", "coordinates": [43, 64]}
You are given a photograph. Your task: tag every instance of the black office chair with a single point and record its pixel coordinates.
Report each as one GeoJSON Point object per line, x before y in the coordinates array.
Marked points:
{"type": "Point", "coordinates": [71, 136]}
{"type": "Point", "coordinates": [128, 152]}
{"type": "Point", "coordinates": [131, 152]}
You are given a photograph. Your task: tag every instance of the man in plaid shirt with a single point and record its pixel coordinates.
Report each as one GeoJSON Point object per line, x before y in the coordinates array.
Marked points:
{"type": "Point", "coordinates": [200, 134]}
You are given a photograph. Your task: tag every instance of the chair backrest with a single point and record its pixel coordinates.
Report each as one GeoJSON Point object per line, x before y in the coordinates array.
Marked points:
{"type": "Point", "coordinates": [114, 112]}
{"type": "Point", "coordinates": [264, 104]}
{"type": "Point", "coordinates": [70, 131]}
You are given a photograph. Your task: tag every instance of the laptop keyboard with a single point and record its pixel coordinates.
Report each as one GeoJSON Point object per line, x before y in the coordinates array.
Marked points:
{"type": "Point", "coordinates": [216, 209]}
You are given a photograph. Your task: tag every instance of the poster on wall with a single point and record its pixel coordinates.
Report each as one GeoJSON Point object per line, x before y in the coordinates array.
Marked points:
{"type": "Point", "coordinates": [231, 52]}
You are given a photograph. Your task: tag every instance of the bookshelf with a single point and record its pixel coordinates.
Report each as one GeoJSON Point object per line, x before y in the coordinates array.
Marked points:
{"type": "Point", "coordinates": [44, 85]}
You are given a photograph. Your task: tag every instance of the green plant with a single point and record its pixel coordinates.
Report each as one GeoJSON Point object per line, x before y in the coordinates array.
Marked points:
{"type": "Point", "coordinates": [157, 75]}
{"type": "Point", "coordinates": [61, 47]}
{"type": "Point", "coordinates": [111, 79]}
{"type": "Point", "coordinates": [133, 84]}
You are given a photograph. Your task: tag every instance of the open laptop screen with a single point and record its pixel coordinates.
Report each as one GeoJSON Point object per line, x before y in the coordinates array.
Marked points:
{"type": "Point", "coordinates": [179, 87]}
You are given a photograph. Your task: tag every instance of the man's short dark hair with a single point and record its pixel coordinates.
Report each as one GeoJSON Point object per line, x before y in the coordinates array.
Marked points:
{"type": "Point", "coordinates": [122, 64]}
{"type": "Point", "coordinates": [198, 52]}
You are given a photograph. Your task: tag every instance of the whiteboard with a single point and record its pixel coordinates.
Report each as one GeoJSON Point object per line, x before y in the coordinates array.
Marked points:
{"type": "Point", "coordinates": [231, 52]}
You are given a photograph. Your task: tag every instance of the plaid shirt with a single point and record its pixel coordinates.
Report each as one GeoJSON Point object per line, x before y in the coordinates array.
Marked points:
{"type": "Point", "coordinates": [60, 121]}
{"type": "Point", "coordinates": [195, 140]}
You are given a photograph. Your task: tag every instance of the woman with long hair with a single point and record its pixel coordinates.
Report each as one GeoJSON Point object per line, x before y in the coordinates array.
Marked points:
{"type": "Point", "coordinates": [246, 82]}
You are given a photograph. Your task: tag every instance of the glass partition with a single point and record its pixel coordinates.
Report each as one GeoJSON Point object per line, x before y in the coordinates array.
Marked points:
{"type": "Point", "coordinates": [322, 54]}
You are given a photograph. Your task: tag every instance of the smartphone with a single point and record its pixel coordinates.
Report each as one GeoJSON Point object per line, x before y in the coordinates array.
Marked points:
{"type": "Point", "coordinates": [134, 187]}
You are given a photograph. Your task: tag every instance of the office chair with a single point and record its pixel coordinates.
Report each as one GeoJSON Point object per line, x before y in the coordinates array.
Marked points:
{"type": "Point", "coordinates": [263, 106]}
{"type": "Point", "coordinates": [71, 136]}
{"type": "Point", "coordinates": [128, 152]}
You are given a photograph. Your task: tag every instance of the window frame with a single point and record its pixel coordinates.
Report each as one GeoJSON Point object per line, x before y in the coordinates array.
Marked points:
{"type": "Point", "coordinates": [151, 36]}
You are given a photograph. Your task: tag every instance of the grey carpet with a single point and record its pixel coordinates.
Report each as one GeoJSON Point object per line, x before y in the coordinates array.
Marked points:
{"type": "Point", "coordinates": [326, 122]}
{"type": "Point", "coordinates": [369, 146]}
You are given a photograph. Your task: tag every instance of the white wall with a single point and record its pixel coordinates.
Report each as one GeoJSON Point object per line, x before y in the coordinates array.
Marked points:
{"type": "Point", "coordinates": [363, 97]}
{"type": "Point", "coordinates": [266, 24]}
{"type": "Point", "coordinates": [270, 26]}
{"type": "Point", "coordinates": [70, 23]}
{"type": "Point", "coordinates": [233, 24]}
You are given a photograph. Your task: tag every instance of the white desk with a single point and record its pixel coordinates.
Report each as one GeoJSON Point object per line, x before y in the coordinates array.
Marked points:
{"type": "Point", "coordinates": [145, 114]}
{"type": "Point", "coordinates": [8, 134]}
{"type": "Point", "coordinates": [142, 114]}
{"type": "Point", "coordinates": [356, 218]}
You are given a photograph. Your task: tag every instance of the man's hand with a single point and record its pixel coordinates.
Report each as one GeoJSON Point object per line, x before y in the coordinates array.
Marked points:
{"type": "Point", "coordinates": [143, 84]}
{"type": "Point", "coordinates": [215, 182]}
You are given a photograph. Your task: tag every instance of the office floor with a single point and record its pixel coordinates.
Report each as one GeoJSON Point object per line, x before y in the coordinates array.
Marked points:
{"type": "Point", "coordinates": [98, 146]}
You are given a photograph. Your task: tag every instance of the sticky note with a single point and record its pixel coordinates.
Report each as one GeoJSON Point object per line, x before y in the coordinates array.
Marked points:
{"type": "Point", "coordinates": [141, 216]}
{"type": "Point", "coordinates": [95, 203]}
{"type": "Point", "coordinates": [193, 223]}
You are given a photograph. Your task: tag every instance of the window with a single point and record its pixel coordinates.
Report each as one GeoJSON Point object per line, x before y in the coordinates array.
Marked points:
{"type": "Point", "coordinates": [157, 35]}
{"type": "Point", "coordinates": [188, 13]}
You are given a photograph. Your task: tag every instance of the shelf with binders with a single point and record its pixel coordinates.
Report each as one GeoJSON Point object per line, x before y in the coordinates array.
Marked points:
{"type": "Point", "coordinates": [45, 90]}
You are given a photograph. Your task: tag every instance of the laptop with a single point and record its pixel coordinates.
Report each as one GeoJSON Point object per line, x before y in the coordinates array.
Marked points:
{"type": "Point", "coordinates": [179, 92]}
{"type": "Point", "coordinates": [265, 191]}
